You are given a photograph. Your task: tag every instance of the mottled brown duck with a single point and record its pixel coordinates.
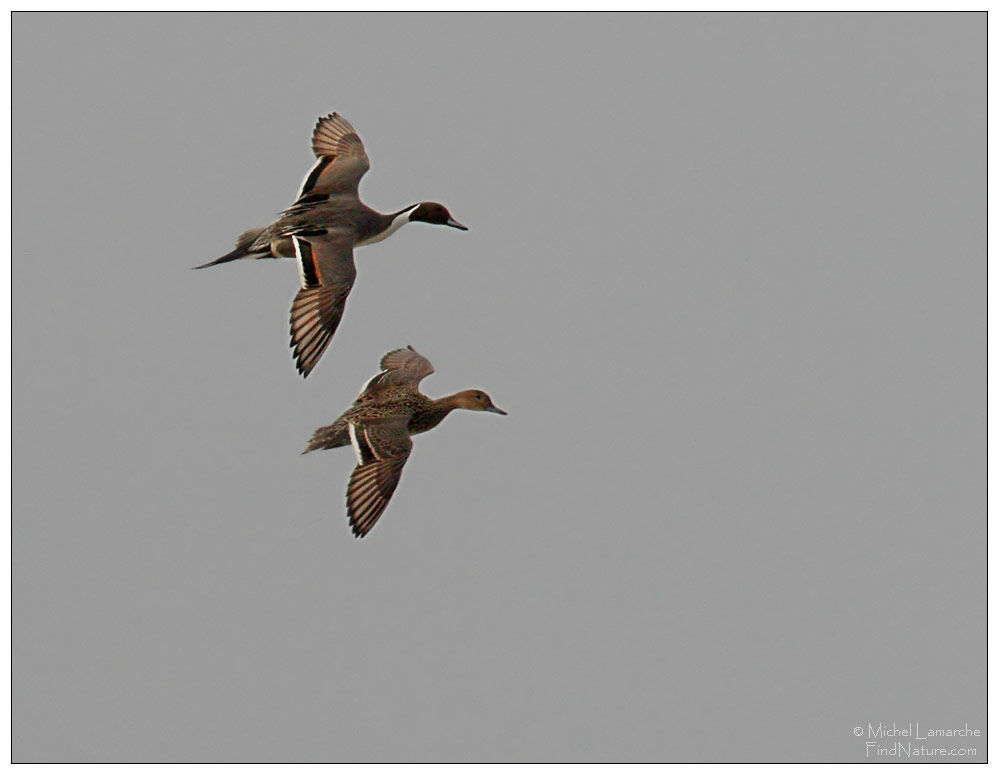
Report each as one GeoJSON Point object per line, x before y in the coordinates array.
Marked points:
{"type": "Point", "coordinates": [389, 410]}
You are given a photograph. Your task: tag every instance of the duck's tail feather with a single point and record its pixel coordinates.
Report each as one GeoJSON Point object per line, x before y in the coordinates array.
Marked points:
{"type": "Point", "coordinates": [330, 436]}
{"type": "Point", "coordinates": [242, 249]}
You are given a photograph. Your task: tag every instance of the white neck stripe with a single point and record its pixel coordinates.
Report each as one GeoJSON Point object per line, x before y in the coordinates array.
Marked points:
{"type": "Point", "coordinates": [397, 223]}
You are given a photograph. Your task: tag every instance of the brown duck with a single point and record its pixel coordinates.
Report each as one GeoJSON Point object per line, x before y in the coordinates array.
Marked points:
{"type": "Point", "coordinates": [388, 411]}
{"type": "Point", "coordinates": [321, 230]}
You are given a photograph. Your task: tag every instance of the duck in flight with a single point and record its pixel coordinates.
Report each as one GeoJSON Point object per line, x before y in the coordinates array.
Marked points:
{"type": "Point", "coordinates": [389, 410]}
{"type": "Point", "coordinates": [320, 231]}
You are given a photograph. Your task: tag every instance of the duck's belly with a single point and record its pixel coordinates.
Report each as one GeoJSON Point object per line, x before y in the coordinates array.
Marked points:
{"type": "Point", "coordinates": [283, 248]}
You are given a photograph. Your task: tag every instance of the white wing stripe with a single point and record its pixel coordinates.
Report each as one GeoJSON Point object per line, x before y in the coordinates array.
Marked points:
{"type": "Point", "coordinates": [352, 430]}
{"type": "Point", "coordinates": [298, 260]}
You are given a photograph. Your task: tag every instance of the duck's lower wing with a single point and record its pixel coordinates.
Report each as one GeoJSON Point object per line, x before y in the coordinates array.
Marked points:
{"type": "Point", "coordinates": [382, 448]}
{"type": "Point", "coordinates": [326, 268]}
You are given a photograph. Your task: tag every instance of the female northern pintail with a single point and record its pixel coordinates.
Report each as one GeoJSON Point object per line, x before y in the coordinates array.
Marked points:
{"type": "Point", "coordinates": [321, 230]}
{"type": "Point", "coordinates": [388, 411]}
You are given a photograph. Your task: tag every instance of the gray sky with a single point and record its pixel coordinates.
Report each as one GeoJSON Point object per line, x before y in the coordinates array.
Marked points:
{"type": "Point", "coordinates": [726, 273]}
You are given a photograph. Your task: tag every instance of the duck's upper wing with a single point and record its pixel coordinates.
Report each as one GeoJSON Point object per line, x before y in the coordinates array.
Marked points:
{"type": "Point", "coordinates": [326, 268]}
{"type": "Point", "coordinates": [382, 446]}
{"type": "Point", "coordinates": [407, 361]}
{"type": "Point", "coordinates": [341, 163]}
{"type": "Point", "coordinates": [403, 367]}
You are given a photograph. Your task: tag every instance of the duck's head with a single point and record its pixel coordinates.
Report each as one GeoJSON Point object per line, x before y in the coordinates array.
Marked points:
{"type": "Point", "coordinates": [476, 400]}
{"type": "Point", "coordinates": [431, 212]}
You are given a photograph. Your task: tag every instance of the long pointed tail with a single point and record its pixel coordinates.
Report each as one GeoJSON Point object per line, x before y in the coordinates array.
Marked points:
{"type": "Point", "coordinates": [237, 253]}
{"type": "Point", "coordinates": [242, 249]}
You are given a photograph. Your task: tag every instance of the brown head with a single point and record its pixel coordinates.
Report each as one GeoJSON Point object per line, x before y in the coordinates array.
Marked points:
{"type": "Point", "coordinates": [476, 400]}
{"type": "Point", "coordinates": [431, 212]}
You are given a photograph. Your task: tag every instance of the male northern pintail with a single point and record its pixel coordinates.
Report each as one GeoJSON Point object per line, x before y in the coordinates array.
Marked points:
{"type": "Point", "coordinates": [321, 229]}
{"type": "Point", "coordinates": [388, 411]}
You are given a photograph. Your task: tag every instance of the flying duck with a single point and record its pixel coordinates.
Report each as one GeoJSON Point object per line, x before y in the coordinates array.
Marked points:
{"type": "Point", "coordinates": [389, 410]}
{"type": "Point", "coordinates": [320, 231]}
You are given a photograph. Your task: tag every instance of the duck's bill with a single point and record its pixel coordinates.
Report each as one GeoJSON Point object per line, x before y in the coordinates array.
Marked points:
{"type": "Point", "coordinates": [495, 409]}
{"type": "Point", "coordinates": [455, 225]}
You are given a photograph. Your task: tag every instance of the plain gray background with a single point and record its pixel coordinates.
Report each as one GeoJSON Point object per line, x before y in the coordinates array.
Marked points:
{"type": "Point", "coordinates": [726, 273]}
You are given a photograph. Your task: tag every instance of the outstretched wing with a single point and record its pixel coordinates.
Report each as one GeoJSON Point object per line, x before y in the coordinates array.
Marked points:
{"type": "Point", "coordinates": [382, 446]}
{"type": "Point", "coordinates": [326, 268]}
{"type": "Point", "coordinates": [403, 367]}
{"type": "Point", "coordinates": [341, 161]}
